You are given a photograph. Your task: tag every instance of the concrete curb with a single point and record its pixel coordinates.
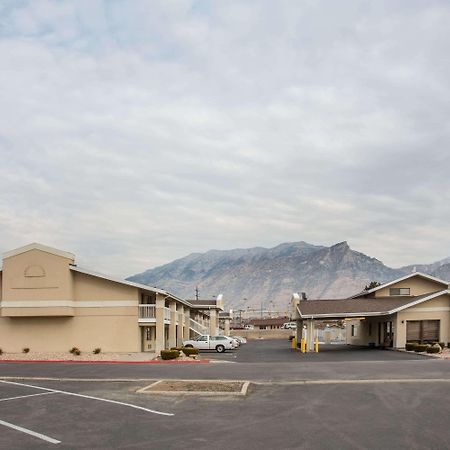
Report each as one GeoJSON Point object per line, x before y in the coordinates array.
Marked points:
{"type": "Point", "coordinates": [89, 380]}
{"type": "Point", "coordinates": [241, 393]}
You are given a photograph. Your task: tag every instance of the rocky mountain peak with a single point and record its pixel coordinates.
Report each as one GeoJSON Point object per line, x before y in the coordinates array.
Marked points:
{"type": "Point", "coordinates": [270, 275]}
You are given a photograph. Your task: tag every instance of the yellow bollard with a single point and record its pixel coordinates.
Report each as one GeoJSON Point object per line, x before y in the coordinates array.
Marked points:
{"type": "Point", "coordinates": [302, 345]}
{"type": "Point", "coordinates": [293, 343]}
{"type": "Point", "coordinates": [316, 345]}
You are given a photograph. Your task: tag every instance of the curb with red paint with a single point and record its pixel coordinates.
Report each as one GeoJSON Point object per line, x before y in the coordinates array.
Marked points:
{"type": "Point", "coordinates": [70, 361]}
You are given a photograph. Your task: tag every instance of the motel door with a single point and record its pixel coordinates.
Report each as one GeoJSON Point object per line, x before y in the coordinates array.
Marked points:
{"type": "Point", "coordinates": [148, 339]}
{"type": "Point", "coordinates": [388, 334]}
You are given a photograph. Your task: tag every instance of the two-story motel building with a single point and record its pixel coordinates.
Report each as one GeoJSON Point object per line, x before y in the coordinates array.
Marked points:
{"type": "Point", "coordinates": [49, 304]}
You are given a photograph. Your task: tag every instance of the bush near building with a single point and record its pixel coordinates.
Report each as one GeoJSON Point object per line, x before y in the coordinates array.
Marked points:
{"type": "Point", "coordinates": [411, 346]}
{"type": "Point", "coordinates": [421, 348]}
{"type": "Point", "coordinates": [434, 349]}
{"type": "Point", "coordinates": [169, 354]}
{"type": "Point", "coordinates": [188, 351]}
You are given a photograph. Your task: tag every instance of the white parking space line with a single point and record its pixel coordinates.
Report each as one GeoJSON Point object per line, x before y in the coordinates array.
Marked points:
{"type": "Point", "coordinates": [25, 396]}
{"type": "Point", "coordinates": [57, 391]}
{"type": "Point", "coordinates": [30, 432]}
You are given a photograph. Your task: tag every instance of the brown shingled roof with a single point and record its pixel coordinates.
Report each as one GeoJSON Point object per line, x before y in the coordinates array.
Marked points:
{"type": "Point", "coordinates": [359, 306]}
{"type": "Point", "coordinates": [274, 321]}
{"type": "Point", "coordinates": [212, 302]}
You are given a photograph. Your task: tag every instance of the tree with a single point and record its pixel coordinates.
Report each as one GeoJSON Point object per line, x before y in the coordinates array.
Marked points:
{"type": "Point", "coordinates": [371, 285]}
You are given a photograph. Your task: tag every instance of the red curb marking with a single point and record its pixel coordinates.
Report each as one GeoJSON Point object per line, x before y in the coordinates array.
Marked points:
{"type": "Point", "coordinates": [201, 361]}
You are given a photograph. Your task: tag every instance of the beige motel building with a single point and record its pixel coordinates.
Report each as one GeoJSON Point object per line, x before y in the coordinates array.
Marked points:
{"type": "Point", "coordinates": [49, 304]}
{"type": "Point", "coordinates": [413, 308]}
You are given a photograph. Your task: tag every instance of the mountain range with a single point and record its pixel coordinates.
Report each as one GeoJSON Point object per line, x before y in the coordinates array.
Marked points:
{"type": "Point", "coordinates": [268, 276]}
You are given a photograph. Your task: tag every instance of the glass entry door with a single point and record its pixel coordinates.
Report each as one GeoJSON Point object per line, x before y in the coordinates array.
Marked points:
{"type": "Point", "coordinates": [388, 334]}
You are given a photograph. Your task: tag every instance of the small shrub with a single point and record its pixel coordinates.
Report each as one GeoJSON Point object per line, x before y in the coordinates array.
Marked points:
{"type": "Point", "coordinates": [1, 351]}
{"type": "Point", "coordinates": [169, 354]}
{"type": "Point", "coordinates": [176, 348]}
{"type": "Point", "coordinates": [73, 350]}
{"type": "Point", "coordinates": [442, 344]}
{"type": "Point", "coordinates": [421, 348]}
{"type": "Point", "coordinates": [76, 352]}
{"type": "Point", "coordinates": [188, 351]}
{"type": "Point", "coordinates": [97, 351]}
{"type": "Point", "coordinates": [26, 350]}
{"type": "Point", "coordinates": [434, 349]}
{"type": "Point", "coordinates": [410, 346]}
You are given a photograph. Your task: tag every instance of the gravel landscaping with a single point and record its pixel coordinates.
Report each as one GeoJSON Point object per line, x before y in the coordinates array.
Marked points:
{"type": "Point", "coordinates": [196, 387]}
{"type": "Point", "coordinates": [445, 354]}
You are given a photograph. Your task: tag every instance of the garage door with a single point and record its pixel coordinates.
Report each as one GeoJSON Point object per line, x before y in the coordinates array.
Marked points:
{"type": "Point", "coordinates": [430, 330]}
{"type": "Point", "coordinates": [422, 330]}
{"type": "Point", "coordinates": [413, 330]}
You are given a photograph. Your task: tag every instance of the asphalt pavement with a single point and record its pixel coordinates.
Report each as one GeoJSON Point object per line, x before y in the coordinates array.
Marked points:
{"type": "Point", "coordinates": [270, 360]}
{"type": "Point", "coordinates": [350, 399]}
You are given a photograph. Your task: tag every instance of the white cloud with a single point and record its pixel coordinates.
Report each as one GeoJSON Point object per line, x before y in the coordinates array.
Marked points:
{"type": "Point", "coordinates": [136, 132]}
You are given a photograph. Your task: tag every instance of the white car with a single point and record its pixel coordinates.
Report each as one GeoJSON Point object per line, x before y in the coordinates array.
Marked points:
{"type": "Point", "coordinates": [240, 339]}
{"type": "Point", "coordinates": [289, 326]}
{"type": "Point", "coordinates": [207, 342]}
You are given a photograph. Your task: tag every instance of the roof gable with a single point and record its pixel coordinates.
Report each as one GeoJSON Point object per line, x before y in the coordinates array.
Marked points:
{"type": "Point", "coordinates": [40, 247]}
{"type": "Point", "coordinates": [398, 280]}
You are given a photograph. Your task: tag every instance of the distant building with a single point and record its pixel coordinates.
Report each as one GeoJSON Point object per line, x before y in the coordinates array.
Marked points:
{"type": "Point", "coordinates": [269, 324]}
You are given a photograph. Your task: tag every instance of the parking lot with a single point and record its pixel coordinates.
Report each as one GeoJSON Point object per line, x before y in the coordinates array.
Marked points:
{"type": "Point", "coordinates": [280, 351]}
{"type": "Point", "coordinates": [382, 400]}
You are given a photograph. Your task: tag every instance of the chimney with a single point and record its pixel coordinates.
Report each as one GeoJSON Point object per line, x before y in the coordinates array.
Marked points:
{"type": "Point", "coordinates": [304, 296]}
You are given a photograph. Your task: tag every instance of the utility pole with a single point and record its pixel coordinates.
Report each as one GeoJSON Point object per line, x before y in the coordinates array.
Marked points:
{"type": "Point", "coordinates": [196, 292]}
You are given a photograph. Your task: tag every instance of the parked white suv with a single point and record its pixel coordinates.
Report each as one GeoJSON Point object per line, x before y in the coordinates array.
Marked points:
{"type": "Point", "coordinates": [207, 342]}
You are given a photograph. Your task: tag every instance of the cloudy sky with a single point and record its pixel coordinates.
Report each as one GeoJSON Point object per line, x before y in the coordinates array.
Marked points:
{"type": "Point", "coordinates": [135, 132]}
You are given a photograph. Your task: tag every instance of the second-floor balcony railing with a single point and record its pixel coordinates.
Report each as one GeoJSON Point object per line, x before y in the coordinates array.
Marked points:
{"type": "Point", "coordinates": [147, 312]}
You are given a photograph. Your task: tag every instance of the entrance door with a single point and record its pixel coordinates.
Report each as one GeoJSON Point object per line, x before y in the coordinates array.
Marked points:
{"type": "Point", "coordinates": [388, 333]}
{"type": "Point", "coordinates": [148, 339]}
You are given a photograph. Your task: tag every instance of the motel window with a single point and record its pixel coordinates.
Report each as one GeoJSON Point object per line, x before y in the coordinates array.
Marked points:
{"type": "Point", "coordinates": [399, 291]}
{"type": "Point", "coordinates": [353, 330]}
